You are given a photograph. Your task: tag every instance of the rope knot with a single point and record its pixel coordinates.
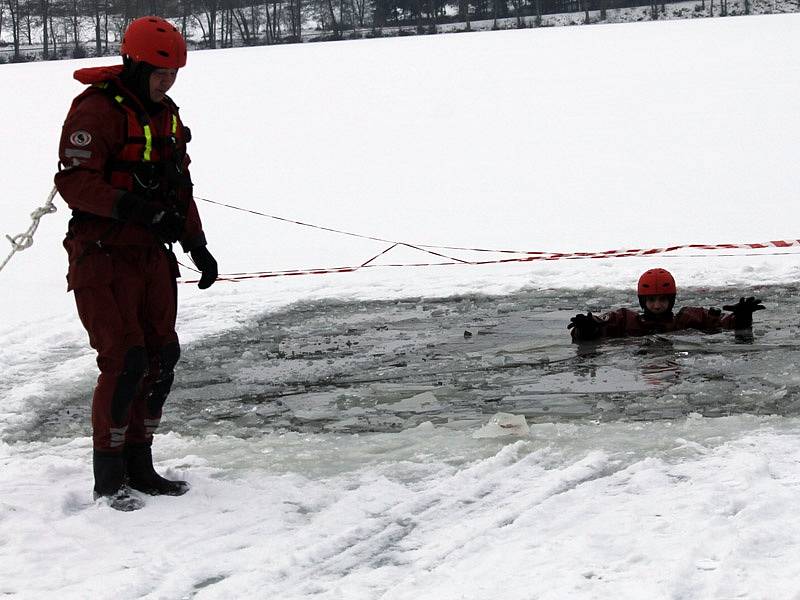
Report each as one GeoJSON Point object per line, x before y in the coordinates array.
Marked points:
{"type": "Point", "coordinates": [20, 242]}
{"type": "Point", "coordinates": [42, 211]}
{"type": "Point", "coordinates": [23, 241]}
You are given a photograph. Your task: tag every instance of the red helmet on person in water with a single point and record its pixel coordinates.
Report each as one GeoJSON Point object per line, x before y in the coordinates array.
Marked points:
{"type": "Point", "coordinates": [155, 41]}
{"type": "Point", "coordinates": [657, 282]}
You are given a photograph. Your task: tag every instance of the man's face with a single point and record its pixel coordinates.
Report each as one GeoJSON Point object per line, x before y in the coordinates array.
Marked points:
{"type": "Point", "coordinates": [657, 305]}
{"type": "Point", "coordinates": [161, 81]}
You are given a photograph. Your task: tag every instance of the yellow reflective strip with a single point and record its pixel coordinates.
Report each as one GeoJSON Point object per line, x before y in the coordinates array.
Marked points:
{"type": "Point", "coordinates": [119, 99]}
{"type": "Point", "coordinates": [148, 143]}
{"type": "Point", "coordinates": [174, 124]}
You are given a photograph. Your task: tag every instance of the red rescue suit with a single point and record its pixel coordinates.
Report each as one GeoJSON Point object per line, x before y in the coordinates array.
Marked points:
{"type": "Point", "coordinates": [624, 322]}
{"type": "Point", "coordinates": [122, 275]}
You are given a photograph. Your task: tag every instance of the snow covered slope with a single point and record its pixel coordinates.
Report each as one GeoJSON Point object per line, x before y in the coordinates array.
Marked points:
{"type": "Point", "coordinates": [563, 139]}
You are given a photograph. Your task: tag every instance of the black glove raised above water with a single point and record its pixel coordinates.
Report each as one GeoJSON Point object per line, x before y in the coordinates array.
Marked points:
{"type": "Point", "coordinates": [585, 327]}
{"type": "Point", "coordinates": [207, 264]}
{"type": "Point", "coordinates": [743, 311]}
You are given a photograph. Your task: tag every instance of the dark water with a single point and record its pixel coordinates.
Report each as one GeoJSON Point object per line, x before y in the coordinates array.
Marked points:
{"type": "Point", "coordinates": [385, 366]}
{"type": "Point", "coordinates": [354, 366]}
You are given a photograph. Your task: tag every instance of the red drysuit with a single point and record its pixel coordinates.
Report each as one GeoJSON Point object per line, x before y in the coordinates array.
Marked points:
{"type": "Point", "coordinates": [122, 274]}
{"type": "Point", "coordinates": [624, 322]}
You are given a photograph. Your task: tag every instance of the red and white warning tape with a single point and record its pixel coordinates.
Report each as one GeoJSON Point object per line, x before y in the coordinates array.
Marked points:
{"type": "Point", "coordinates": [522, 255]}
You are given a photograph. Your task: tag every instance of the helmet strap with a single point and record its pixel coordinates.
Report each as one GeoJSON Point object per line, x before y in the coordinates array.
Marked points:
{"type": "Point", "coordinates": [136, 78]}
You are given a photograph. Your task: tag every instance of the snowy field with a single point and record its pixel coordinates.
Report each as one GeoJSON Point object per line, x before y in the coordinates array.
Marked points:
{"type": "Point", "coordinates": [340, 431]}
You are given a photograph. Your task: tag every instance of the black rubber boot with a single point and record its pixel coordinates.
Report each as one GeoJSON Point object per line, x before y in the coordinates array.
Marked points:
{"type": "Point", "coordinates": [143, 477]}
{"type": "Point", "coordinates": [109, 482]}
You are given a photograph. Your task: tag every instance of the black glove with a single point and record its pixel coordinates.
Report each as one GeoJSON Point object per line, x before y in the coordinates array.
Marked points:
{"type": "Point", "coordinates": [170, 227]}
{"type": "Point", "coordinates": [135, 209]}
{"type": "Point", "coordinates": [743, 311]}
{"type": "Point", "coordinates": [168, 224]}
{"type": "Point", "coordinates": [208, 266]}
{"type": "Point", "coordinates": [587, 327]}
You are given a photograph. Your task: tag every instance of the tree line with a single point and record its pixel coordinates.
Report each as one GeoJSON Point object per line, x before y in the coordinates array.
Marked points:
{"type": "Point", "coordinates": [79, 28]}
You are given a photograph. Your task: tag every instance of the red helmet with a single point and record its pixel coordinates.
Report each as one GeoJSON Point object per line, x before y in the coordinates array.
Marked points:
{"type": "Point", "coordinates": [657, 282]}
{"type": "Point", "coordinates": [155, 41]}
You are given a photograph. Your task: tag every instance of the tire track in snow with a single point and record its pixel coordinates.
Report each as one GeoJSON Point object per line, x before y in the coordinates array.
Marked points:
{"type": "Point", "coordinates": [427, 526]}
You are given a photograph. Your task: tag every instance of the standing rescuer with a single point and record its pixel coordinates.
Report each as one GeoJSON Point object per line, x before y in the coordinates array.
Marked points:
{"type": "Point", "coordinates": [124, 173]}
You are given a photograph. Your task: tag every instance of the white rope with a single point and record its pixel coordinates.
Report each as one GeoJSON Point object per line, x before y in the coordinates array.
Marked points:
{"type": "Point", "coordinates": [23, 241]}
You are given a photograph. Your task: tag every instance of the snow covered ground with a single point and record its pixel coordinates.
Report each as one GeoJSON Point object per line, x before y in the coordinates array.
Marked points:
{"type": "Point", "coordinates": [574, 139]}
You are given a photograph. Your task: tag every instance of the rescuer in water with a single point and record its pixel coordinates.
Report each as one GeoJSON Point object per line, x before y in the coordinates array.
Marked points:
{"type": "Point", "coordinates": [657, 292]}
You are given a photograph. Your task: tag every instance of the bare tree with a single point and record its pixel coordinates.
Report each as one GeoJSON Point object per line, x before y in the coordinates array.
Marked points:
{"type": "Point", "coordinates": [334, 24]}
{"type": "Point", "coordinates": [13, 9]}
{"type": "Point", "coordinates": [273, 21]}
{"type": "Point", "coordinates": [201, 26]}
{"type": "Point", "coordinates": [129, 11]}
{"type": "Point", "coordinates": [359, 11]}
{"type": "Point", "coordinates": [380, 10]}
{"type": "Point", "coordinates": [53, 36]}
{"type": "Point", "coordinates": [75, 19]}
{"type": "Point", "coordinates": [295, 20]}
{"type": "Point", "coordinates": [227, 27]}
{"type": "Point", "coordinates": [105, 27]}
{"type": "Point", "coordinates": [209, 9]}
{"type": "Point", "coordinates": [186, 13]}
{"type": "Point", "coordinates": [517, 4]}
{"type": "Point", "coordinates": [26, 10]}
{"type": "Point", "coordinates": [268, 34]}
{"type": "Point", "coordinates": [44, 12]}
{"type": "Point", "coordinates": [243, 25]}
{"type": "Point", "coordinates": [346, 8]}
{"type": "Point", "coordinates": [98, 42]}
{"type": "Point", "coordinates": [227, 30]}
{"type": "Point", "coordinates": [255, 19]}
{"type": "Point", "coordinates": [223, 37]}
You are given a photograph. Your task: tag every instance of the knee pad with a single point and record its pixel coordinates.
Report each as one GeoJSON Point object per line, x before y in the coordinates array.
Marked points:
{"type": "Point", "coordinates": [167, 359]}
{"type": "Point", "coordinates": [168, 356]}
{"type": "Point", "coordinates": [134, 367]}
